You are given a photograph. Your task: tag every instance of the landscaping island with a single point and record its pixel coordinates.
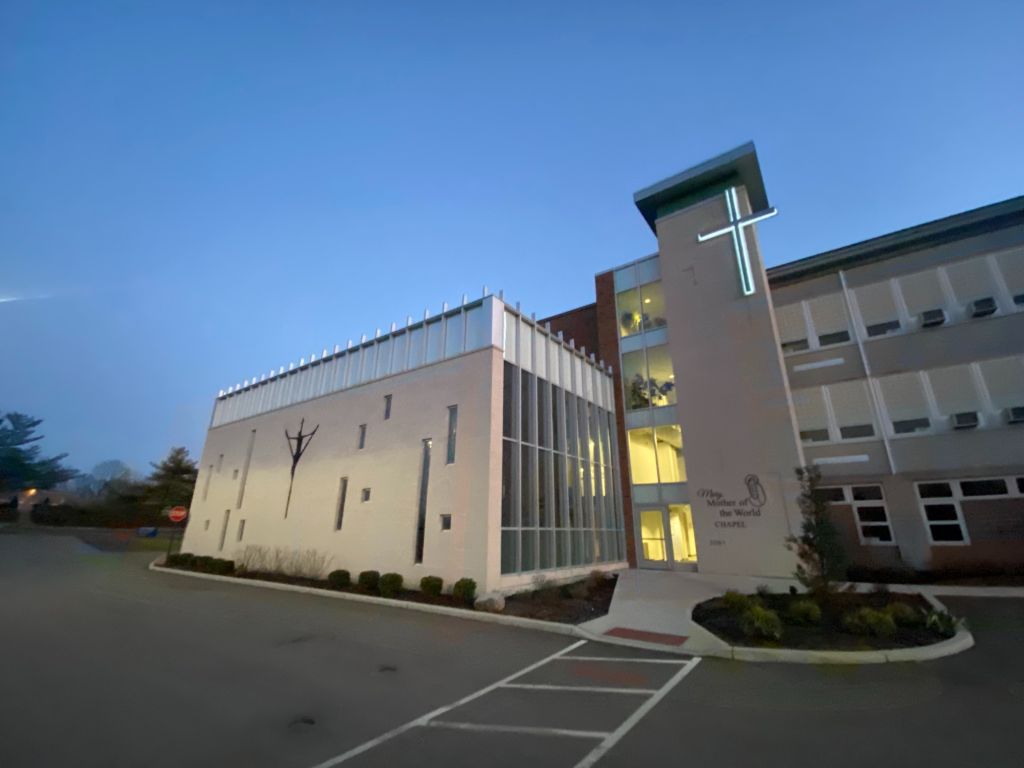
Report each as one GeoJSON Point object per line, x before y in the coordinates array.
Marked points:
{"type": "Point", "coordinates": [839, 621]}
{"type": "Point", "coordinates": [572, 603]}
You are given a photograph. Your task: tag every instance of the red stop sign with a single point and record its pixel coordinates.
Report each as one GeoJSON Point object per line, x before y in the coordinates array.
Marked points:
{"type": "Point", "coordinates": [177, 514]}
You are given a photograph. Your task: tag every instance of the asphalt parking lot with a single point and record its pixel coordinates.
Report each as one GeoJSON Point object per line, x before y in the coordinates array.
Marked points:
{"type": "Point", "coordinates": [108, 664]}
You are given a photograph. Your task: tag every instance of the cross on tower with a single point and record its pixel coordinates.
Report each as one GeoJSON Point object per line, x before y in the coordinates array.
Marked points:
{"type": "Point", "coordinates": [736, 226]}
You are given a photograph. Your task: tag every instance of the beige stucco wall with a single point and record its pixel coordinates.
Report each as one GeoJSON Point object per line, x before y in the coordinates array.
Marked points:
{"type": "Point", "coordinates": [734, 406]}
{"type": "Point", "coordinates": [379, 534]}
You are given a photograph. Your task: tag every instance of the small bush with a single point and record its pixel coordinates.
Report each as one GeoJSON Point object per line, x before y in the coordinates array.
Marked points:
{"type": "Point", "coordinates": [760, 622]}
{"type": "Point", "coordinates": [187, 560]}
{"type": "Point", "coordinates": [390, 584]}
{"type": "Point", "coordinates": [905, 615]}
{"type": "Point", "coordinates": [340, 579]}
{"type": "Point", "coordinates": [369, 581]}
{"type": "Point", "coordinates": [223, 567]}
{"type": "Point", "coordinates": [173, 561]}
{"type": "Point", "coordinates": [464, 590]}
{"type": "Point", "coordinates": [763, 590]}
{"type": "Point", "coordinates": [793, 590]}
{"type": "Point", "coordinates": [804, 611]}
{"type": "Point", "coordinates": [431, 585]}
{"type": "Point", "coordinates": [735, 601]}
{"type": "Point", "coordinates": [868, 621]}
{"type": "Point", "coordinates": [204, 564]}
{"type": "Point", "coordinates": [942, 622]}
{"type": "Point", "coordinates": [880, 589]}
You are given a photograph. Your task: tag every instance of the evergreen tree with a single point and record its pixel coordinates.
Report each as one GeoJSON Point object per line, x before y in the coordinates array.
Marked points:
{"type": "Point", "coordinates": [818, 547]}
{"type": "Point", "coordinates": [172, 481]}
{"type": "Point", "coordinates": [21, 466]}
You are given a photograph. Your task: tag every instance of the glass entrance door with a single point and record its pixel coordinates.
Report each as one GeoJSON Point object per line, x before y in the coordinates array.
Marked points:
{"type": "Point", "coordinates": [666, 536]}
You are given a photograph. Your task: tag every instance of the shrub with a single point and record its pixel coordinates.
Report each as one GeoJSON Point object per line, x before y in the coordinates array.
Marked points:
{"type": "Point", "coordinates": [187, 560]}
{"type": "Point", "coordinates": [340, 579]}
{"type": "Point", "coordinates": [204, 564]}
{"type": "Point", "coordinates": [880, 588]}
{"type": "Point", "coordinates": [763, 590]}
{"type": "Point", "coordinates": [369, 581]}
{"type": "Point", "coordinates": [905, 615]}
{"type": "Point", "coordinates": [173, 561]}
{"type": "Point", "coordinates": [464, 590]}
{"type": "Point", "coordinates": [735, 601]}
{"type": "Point", "coordinates": [868, 621]}
{"type": "Point", "coordinates": [301, 563]}
{"type": "Point", "coordinates": [431, 585]}
{"type": "Point", "coordinates": [222, 567]}
{"type": "Point", "coordinates": [390, 584]}
{"type": "Point", "coordinates": [942, 622]}
{"type": "Point", "coordinates": [804, 611]}
{"type": "Point", "coordinates": [760, 622]}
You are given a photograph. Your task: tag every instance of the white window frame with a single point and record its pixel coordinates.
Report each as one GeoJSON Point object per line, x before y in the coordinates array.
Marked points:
{"type": "Point", "coordinates": [955, 500]}
{"type": "Point", "coordinates": [873, 504]}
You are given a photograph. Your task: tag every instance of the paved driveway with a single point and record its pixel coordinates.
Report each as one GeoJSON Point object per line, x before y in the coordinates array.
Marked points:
{"type": "Point", "coordinates": [107, 664]}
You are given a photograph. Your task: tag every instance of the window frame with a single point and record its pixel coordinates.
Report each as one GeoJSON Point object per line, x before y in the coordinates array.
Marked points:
{"type": "Point", "coordinates": [855, 506]}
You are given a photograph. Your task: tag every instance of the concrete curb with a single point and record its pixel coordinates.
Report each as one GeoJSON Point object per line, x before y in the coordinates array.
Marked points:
{"type": "Point", "coordinates": [960, 642]}
{"type": "Point", "coordinates": [443, 610]}
{"type": "Point", "coordinates": [956, 644]}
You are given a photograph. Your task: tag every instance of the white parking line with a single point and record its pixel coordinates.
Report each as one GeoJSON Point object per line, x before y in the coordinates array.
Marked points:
{"type": "Point", "coordinates": [530, 729]}
{"type": "Point", "coordinates": [441, 710]}
{"type": "Point", "coordinates": [583, 688]}
{"type": "Point", "coordinates": [608, 739]}
{"type": "Point", "coordinates": [621, 659]}
{"type": "Point", "coordinates": [599, 751]}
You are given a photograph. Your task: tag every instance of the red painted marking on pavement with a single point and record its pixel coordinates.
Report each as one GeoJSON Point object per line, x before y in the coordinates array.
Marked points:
{"type": "Point", "coordinates": [603, 672]}
{"type": "Point", "coordinates": [647, 637]}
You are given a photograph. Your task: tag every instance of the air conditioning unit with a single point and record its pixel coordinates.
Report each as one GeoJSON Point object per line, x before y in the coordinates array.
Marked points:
{"type": "Point", "coordinates": [931, 318]}
{"type": "Point", "coordinates": [965, 420]}
{"type": "Point", "coordinates": [983, 307]}
{"type": "Point", "coordinates": [1014, 415]}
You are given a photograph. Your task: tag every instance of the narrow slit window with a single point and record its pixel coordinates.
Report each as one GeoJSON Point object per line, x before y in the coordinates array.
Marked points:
{"type": "Point", "coordinates": [387, 407]}
{"type": "Point", "coordinates": [241, 529]}
{"type": "Point", "coordinates": [342, 493]}
{"type": "Point", "coordinates": [362, 436]}
{"type": "Point", "coordinates": [366, 494]}
{"type": "Point", "coordinates": [453, 422]}
{"type": "Point", "coordinates": [421, 520]}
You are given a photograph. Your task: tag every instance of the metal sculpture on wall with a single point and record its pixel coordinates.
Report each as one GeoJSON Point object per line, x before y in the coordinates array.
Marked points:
{"type": "Point", "coordinates": [296, 447]}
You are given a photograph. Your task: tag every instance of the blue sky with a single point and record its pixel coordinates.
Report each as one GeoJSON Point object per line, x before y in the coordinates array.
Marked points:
{"type": "Point", "coordinates": [206, 190]}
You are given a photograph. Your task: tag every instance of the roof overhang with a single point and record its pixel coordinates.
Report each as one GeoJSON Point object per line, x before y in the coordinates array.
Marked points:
{"type": "Point", "coordinates": [736, 167]}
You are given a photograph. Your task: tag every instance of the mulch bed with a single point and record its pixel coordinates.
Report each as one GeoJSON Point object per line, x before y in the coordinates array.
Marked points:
{"type": "Point", "coordinates": [828, 634]}
{"type": "Point", "coordinates": [569, 604]}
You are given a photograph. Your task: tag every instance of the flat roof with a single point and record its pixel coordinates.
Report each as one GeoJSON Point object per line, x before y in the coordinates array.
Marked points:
{"type": "Point", "coordinates": [737, 166]}
{"type": "Point", "coordinates": [979, 221]}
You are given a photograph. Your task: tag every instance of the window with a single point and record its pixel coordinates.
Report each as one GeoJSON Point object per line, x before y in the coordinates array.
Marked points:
{"type": "Point", "coordinates": [1003, 379]}
{"type": "Point", "coordinates": [421, 519]}
{"type": "Point", "coordinates": [508, 401]}
{"type": "Point", "coordinates": [446, 522]}
{"type": "Point", "coordinates": [454, 337]}
{"type": "Point", "coordinates": [661, 381]}
{"type": "Point", "coordinates": [954, 390]}
{"type": "Point", "coordinates": [245, 469]}
{"type": "Point", "coordinates": [1011, 267]}
{"type": "Point", "coordinates": [811, 415]}
{"type": "Point", "coordinates": [877, 308]}
{"type": "Point", "coordinates": [869, 513]}
{"type": "Point", "coordinates": [339, 518]}
{"type": "Point", "coordinates": [792, 327]}
{"type": "Point", "coordinates": [206, 482]}
{"type": "Point", "coordinates": [651, 450]}
{"type": "Point", "coordinates": [433, 341]}
{"type": "Point", "coordinates": [362, 437]}
{"type": "Point", "coordinates": [671, 465]}
{"type": "Point", "coordinates": [943, 516]}
{"type": "Point", "coordinates": [234, 473]}
{"type": "Point", "coordinates": [224, 530]}
{"type": "Point", "coordinates": [828, 315]}
{"type": "Point", "coordinates": [206, 525]}
{"type": "Point", "coordinates": [851, 408]}
{"type": "Point", "coordinates": [241, 529]}
{"type": "Point", "coordinates": [387, 407]}
{"type": "Point", "coordinates": [366, 494]}
{"type": "Point", "coordinates": [995, 487]}
{"type": "Point", "coordinates": [921, 292]}
{"type": "Point", "coordinates": [478, 330]}
{"type": "Point", "coordinates": [905, 402]}
{"type": "Point", "coordinates": [971, 280]}
{"type": "Point", "coordinates": [453, 419]}
{"type": "Point", "coordinates": [641, 309]}
{"type": "Point", "coordinates": [220, 462]}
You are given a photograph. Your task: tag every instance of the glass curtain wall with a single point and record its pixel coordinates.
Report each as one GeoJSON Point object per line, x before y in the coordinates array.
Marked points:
{"type": "Point", "coordinates": [559, 504]}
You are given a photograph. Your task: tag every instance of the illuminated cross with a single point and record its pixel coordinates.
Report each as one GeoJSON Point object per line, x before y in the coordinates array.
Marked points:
{"type": "Point", "coordinates": [736, 226]}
